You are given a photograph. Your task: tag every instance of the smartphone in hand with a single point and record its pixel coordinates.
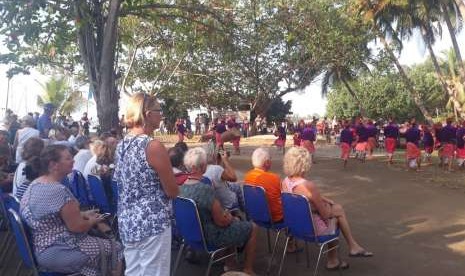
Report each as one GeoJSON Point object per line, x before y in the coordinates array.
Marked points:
{"type": "Point", "coordinates": [105, 215]}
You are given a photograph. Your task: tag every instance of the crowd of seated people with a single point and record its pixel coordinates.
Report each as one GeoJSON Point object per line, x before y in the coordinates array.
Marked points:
{"type": "Point", "coordinates": [149, 177]}
{"type": "Point", "coordinates": [65, 238]}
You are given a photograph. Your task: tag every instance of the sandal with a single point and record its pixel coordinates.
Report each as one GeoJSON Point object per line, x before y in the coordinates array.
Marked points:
{"type": "Point", "coordinates": [341, 266]}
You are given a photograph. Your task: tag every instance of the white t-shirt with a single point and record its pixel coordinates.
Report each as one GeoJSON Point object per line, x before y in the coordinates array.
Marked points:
{"type": "Point", "coordinates": [72, 139]}
{"type": "Point", "coordinates": [222, 192]}
{"type": "Point", "coordinates": [90, 165]}
{"type": "Point", "coordinates": [81, 159]}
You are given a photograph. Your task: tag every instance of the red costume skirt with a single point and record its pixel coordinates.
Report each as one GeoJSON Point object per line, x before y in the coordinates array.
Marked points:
{"type": "Point", "coordinates": [362, 146]}
{"type": "Point", "coordinates": [447, 151]}
{"type": "Point", "coordinates": [219, 141]}
{"type": "Point", "coordinates": [461, 153]}
{"type": "Point", "coordinates": [345, 150]}
{"type": "Point", "coordinates": [371, 144]}
{"type": "Point", "coordinates": [308, 145]}
{"type": "Point", "coordinates": [280, 142]}
{"type": "Point", "coordinates": [236, 141]}
{"type": "Point", "coordinates": [297, 140]}
{"type": "Point", "coordinates": [390, 145]}
{"type": "Point", "coordinates": [413, 151]}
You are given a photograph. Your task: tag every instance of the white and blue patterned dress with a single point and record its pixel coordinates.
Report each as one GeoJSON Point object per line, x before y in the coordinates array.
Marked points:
{"type": "Point", "coordinates": [144, 210]}
{"type": "Point", "coordinates": [56, 248]}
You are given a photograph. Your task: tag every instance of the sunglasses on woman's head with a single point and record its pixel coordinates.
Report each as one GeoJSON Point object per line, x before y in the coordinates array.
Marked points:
{"type": "Point", "coordinates": [144, 102]}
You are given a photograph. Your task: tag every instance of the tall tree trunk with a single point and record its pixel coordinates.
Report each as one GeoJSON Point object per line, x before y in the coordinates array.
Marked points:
{"type": "Point", "coordinates": [445, 13]}
{"type": "Point", "coordinates": [97, 37]}
{"type": "Point", "coordinates": [461, 5]}
{"type": "Point", "coordinates": [108, 93]}
{"type": "Point", "coordinates": [437, 68]}
{"type": "Point", "coordinates": [354, 95]}
{"type": "Point", "coordinates": [408, 83]}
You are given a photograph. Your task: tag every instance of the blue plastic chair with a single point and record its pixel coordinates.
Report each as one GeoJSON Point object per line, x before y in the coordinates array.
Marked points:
{"type": "Point", "coordinates": [6, 202]}
{"type": "Point", "coordinates": [10, 202]}
{"type": "Point", "coordinates": [299, 221]}
{"type": "Point", "coordinates": [190, 228]}
{"type": "Point", "coordinates": [24, 247]}
{"type": "Point", "coordinates": [257, 209]}
{"type": "Point", "coordinates": [114, 190]}
{"type": "Point", "coordinates": [99, 195]}
{"type": "Point", "coordinates": [78, 187]}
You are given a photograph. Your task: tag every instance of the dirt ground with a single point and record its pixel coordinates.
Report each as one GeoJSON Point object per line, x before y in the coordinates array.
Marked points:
{"type": "Point", "coordinates": [413, 222]}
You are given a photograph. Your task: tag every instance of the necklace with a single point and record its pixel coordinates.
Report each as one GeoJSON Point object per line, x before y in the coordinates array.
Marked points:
{"type": "Point", "coordinates": [192, 180]}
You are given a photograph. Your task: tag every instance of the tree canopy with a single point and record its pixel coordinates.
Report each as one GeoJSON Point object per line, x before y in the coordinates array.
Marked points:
{"type": "Point", "coordinates": [224, 53]}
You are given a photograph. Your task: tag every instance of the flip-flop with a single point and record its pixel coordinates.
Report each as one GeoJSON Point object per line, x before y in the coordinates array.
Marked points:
{"type": "Point", "coordinates": [341, 266]}
{"type": "Point", "coordinates": [361, 254]}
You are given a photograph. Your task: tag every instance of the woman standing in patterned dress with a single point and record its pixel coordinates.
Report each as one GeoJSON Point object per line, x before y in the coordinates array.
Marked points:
{"type": "Point", "coordinates": [146, 185]}
{"type": "Point", "coordinates": [59, 229]}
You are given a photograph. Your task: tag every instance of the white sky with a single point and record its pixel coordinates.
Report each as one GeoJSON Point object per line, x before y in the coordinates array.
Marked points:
{"type": "Point", "coordinates": [24, 89]}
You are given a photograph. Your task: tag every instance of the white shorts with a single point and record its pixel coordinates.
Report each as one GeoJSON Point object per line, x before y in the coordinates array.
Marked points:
{"type": "Point", "coordinates": [151, 256]}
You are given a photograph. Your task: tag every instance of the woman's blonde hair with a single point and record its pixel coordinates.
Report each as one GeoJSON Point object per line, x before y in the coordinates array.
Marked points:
{"type": "Point", "coordinates": [103, 152]}
{"type": "Point", "coordinates": [138, 105]}
{"type": "Point", "coordinates": [297, 162]}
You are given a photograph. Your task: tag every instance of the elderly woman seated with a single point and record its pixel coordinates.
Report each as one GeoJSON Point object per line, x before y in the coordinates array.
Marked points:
{"type": "Point", "coordinates": [59, 229]}
{"type": "Point", "coordinates": [221, 229]}
{"type": "Point", "coordinates": [328, 214]}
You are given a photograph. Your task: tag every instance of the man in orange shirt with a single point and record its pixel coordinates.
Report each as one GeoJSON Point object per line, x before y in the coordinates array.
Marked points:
{"type": "Point", "coordinates": [259, 176]}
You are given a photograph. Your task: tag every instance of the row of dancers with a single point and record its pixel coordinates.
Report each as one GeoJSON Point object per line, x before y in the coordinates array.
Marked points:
{"type": "Point", "coordinates": [361, 137]}
{"type": "Point", "coordinates": [448, 140]}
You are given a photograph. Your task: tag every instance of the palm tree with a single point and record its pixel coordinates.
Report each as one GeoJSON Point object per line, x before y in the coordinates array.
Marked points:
{"type": "Point", "coordinates": [382, 14]}
{"type": "Point", "coordinates": [456, 87]}
{"type": "Point", "coordinates": [450, 10]}
{"type": "Point", "coordinates": [422, 15]}
{"type": "Point", "coordinates": [335, 74]}
{"type": "Point", "coordinates": [58, 92]}
{"type": "Point", "coordinates": [461, 5]}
